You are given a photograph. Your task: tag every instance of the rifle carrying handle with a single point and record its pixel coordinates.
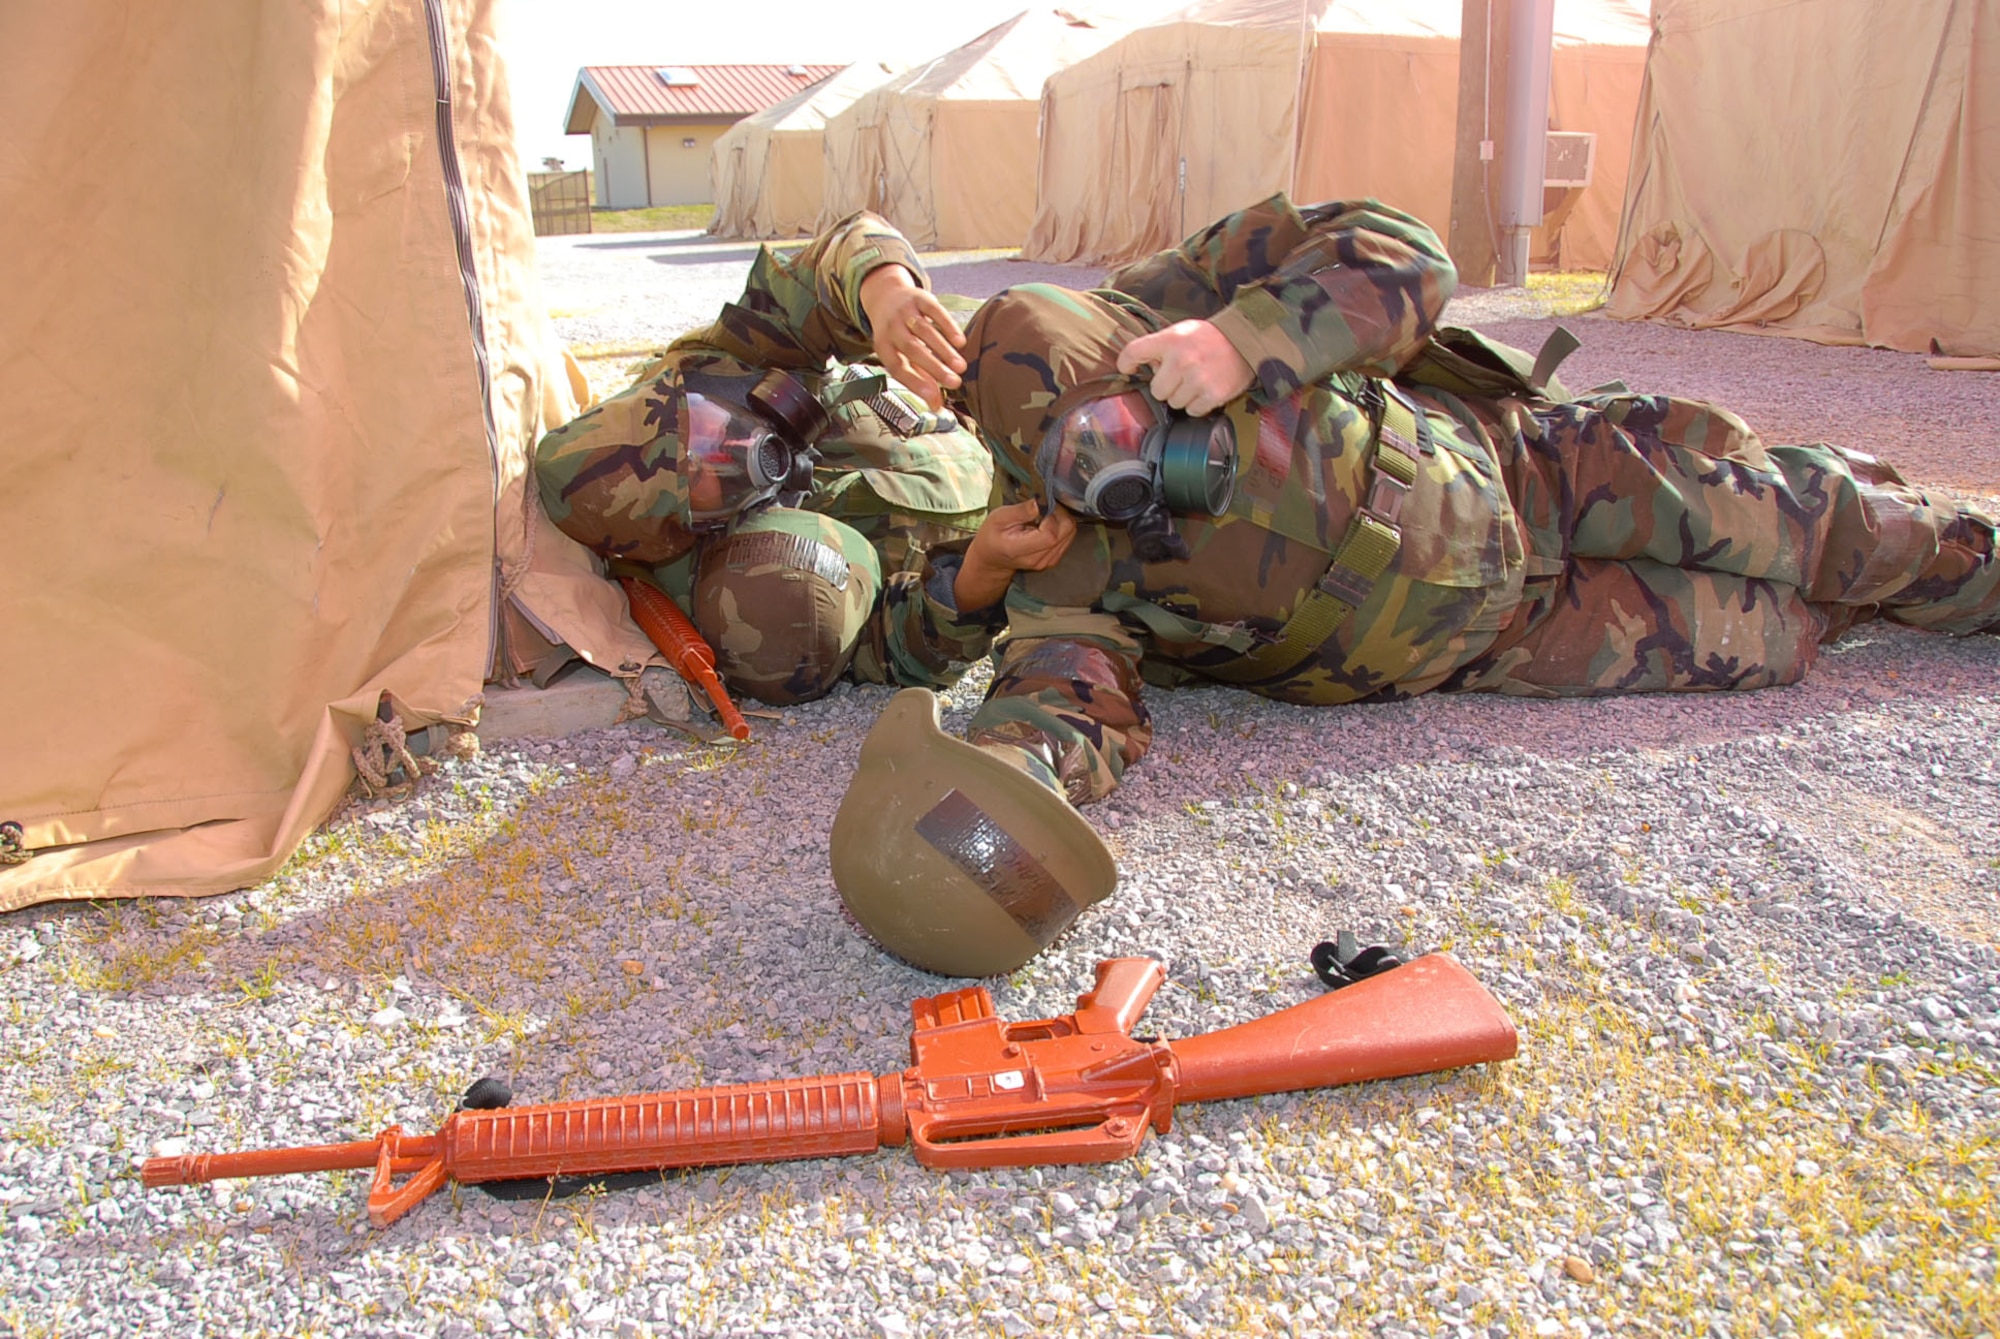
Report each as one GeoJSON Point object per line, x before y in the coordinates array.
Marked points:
{"type": "Point", "coordinates": [681, 643]}
{"type": "Point", "coordinates": [1424, 1016]}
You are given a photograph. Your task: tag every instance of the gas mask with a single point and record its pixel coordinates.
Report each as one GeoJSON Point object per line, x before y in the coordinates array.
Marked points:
{"type": "Point", "coordinates": [1129, 458]}
{"type": "Point", "coordinates": [738, 457]}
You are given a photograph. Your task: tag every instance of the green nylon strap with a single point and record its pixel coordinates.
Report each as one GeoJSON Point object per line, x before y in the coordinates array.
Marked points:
{"type": "Point", "coordinates": [1363, 554]}
{"type": "Point", "coordinates": [1559, 345]}
{"type": "Point", "coordinates": [1170, 626]}
{"type": "Point", "coordinates": [855, 385]}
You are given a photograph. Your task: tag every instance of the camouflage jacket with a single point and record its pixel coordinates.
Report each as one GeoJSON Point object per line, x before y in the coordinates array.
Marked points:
{"type": "Point", "coordinates": [1321, 303]}
{"type": "Point", "coordinates": [906, 479]}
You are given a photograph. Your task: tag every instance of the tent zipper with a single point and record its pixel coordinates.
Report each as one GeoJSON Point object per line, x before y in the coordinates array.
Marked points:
{"type": "Point", "coordinates": [468, 273]}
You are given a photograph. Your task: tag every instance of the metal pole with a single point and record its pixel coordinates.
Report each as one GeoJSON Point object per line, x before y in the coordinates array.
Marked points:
{"type": "Point", "coordinates": [1524, 160]}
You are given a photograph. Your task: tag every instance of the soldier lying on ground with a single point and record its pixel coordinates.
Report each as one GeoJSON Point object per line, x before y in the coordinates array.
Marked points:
{"type": "Point", "coordinates": [794, 572]}
{"type": "Point", "coordinates": [1377, 509]}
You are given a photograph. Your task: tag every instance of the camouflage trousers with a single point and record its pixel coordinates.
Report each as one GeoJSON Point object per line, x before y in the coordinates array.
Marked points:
{"type": "Point", "coordinates": [1672, 551]}
{"type": "Point", "coordinates": [1668, 550]}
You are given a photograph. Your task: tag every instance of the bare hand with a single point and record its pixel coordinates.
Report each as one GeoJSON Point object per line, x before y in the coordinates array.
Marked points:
{"type": "Point", "coordinates": [915, 337]}
{"type": "Point", "coordinates": [1014, 538]}
{"type": "Point", "coordinates": [1195, 367]}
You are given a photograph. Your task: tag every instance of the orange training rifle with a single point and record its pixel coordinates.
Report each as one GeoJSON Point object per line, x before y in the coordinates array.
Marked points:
{"type": "Point", "coordinates": [978, 1092]}
{"type": "Point", "coordinates": [681, 643]}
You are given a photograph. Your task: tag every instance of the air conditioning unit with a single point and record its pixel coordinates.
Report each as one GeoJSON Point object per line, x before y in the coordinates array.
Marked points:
{"type": "Point", "coordinates": [679, 76]}
{"type": "Point", "coordinates": [1570, 158]}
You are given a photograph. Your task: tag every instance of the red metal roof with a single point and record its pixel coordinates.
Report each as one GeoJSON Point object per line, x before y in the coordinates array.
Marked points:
{"type": "Point", "coordinates": [642, 94]}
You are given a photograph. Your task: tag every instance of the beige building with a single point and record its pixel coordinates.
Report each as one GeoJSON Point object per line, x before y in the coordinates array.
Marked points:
{"type": "Point", "coordinates": [653, 127]}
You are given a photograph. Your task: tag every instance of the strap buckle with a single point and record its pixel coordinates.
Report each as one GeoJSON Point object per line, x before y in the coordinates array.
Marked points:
{"type": "Point", "coordinates": [1385, 498]}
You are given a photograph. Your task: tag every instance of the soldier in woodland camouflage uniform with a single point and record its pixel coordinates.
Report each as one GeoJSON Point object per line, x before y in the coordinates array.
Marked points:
{"type": "Point", "coordinates": [789, 597]}
{"type": "Point", "coordinates": [1494, 534]}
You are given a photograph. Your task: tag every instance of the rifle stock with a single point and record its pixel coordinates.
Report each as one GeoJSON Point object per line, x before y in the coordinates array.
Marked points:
{"type": "Point", "coordinates": [1369, 1030]}
{"type": "Point", "coordinates": [979, 1092]}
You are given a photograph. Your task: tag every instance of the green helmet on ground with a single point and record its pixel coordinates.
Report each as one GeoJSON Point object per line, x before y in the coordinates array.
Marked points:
{"type": "Point", "coordinates": [955, 860]}
{"type": "Point", "coordinates": [784, 599]}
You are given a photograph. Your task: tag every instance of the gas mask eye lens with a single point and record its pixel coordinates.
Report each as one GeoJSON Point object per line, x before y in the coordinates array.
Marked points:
{"type": "Point", "coordinates": [1093, 460]}
{"type": "Point", "coordinates": [731, 459]}
{"type": "Point", "coordinates": [1116, 457]}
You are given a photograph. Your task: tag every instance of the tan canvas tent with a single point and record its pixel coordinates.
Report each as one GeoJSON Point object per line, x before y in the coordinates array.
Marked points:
{"type": "Point", "coordinates": [1849, 198]}
{"type": "Point", "coordinates": [1227, 101]}
{"type": "Point", "coordinates": [275, 356]}
{"type": "Point", "coordinates": [946, 150]}
{"type": "Point", "coordinates": [768, 171]}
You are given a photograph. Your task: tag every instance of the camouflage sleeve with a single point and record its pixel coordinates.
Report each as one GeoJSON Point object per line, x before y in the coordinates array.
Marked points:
{"type": "Point", "coordinates": [608, 478]}
{"type": "Point", "coordinates": [1301, 294]}
{"type": "Point", "coordinates": [1065, 700]}
{"type": "Point", "coordinates": [917, 637]}
{"type": "Point", "coordinates": [800, 308]}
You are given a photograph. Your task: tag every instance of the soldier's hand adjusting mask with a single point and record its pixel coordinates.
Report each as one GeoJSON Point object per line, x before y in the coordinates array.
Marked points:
{"type": "Point", "coordinates": [1129, 458]}
{"type": "Point", "coordinates": [737, 457]}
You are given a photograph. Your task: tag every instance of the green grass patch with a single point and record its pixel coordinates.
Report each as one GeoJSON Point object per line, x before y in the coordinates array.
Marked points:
{"type": "Point", "coordinates": [659, 218]}
{"type": "Point", "coordinates": [1569, 292]}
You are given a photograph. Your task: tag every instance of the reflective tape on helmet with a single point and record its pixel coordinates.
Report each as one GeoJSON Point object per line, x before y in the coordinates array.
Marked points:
{"type": "Point", "coordinates": [780, 548]}
{"type": "Point", "coordinates": [1005, 870]}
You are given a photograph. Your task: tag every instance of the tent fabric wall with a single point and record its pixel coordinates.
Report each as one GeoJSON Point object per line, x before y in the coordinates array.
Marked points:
{"type": "Point", "coordinates": [946, 150]}
{"type": "Point", "coordinates": [1378, 83]}
{"type": "Point", "coordinates": [1382, 114]}
{"type": "Point", "coordinates": [1596, 87]}
{"type": "Point", "coordinates": [259, 479]}
{"type": "Point", "coordinates": [1115, 125]}
{"type": "Point", "coordinates": [1737, 217]}
{"type": "Point", "coordinates": [768, 171]}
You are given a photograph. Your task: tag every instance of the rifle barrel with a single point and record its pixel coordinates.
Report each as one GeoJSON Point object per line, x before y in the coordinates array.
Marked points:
{"type": "Point", "coordinates": [195, 1168]}
{"type": "Point", "coordinates": [675, 634]}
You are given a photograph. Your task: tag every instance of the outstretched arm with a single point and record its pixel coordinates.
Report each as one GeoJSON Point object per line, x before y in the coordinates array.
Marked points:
{"type": "Point", "coordinates": [1297, 294]}
{"type": "Point", "coordinates": [930, 624]}
{"type": "Point", "coordinates": [913, 336]}
{"type": "Point", "coordinates": [812, 298]}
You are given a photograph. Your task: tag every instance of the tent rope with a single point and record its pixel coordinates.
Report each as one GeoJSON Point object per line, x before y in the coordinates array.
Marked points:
{"type": "Point", "coordinates": [13, 845]}
{"type": "Point", "coordinates": [384, 746]}
{"type": "Point", "coordinates": [635, 704]}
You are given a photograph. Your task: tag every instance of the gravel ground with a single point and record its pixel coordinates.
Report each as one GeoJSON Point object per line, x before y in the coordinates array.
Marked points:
{"type": "Point", "coordinates": [1749, 942]}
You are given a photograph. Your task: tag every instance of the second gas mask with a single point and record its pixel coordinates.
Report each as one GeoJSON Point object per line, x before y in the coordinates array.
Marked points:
{"type": "Point", "coordinates": [1129, 458]}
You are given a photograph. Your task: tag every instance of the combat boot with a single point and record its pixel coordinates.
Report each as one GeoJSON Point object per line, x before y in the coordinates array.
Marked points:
{"type": "Point", "coordinates": [1959, 591]}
